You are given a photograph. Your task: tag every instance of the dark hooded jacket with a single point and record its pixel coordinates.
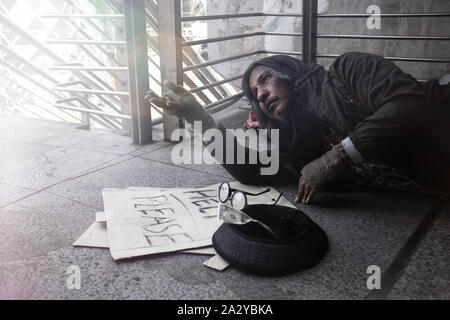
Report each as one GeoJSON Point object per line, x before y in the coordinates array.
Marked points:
{"type": "Point", "coordinates": [388, 115]}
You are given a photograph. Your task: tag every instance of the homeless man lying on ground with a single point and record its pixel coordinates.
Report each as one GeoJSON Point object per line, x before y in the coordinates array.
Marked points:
{"type": "Point", "coordinates": [364, 121]}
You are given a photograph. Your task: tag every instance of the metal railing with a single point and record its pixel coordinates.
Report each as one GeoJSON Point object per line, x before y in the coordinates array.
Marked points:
{"type": "Point", "coordinates": [50, 86]}
{"type": "Point", "coordinates": [370, 37]}
{"type": "Point", "coordinates": [309, 36]}
{"type": "Point", "coordinates": [99, 88]}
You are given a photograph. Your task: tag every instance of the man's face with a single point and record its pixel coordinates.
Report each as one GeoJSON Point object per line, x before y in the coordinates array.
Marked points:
{"type": "Point", "coordinates": [271, 93]}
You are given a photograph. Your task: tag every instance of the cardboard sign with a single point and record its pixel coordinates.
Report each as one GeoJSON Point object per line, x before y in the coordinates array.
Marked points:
{"type": "Point", "coordinates": [142, 221]}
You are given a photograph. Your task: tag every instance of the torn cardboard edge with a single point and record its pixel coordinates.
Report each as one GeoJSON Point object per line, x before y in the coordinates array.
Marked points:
{"type": "Point", "coordinates": [100, 217]}
{"type": "Point", "coordinates": [216, 263]}
{"type": "Point", "coordinates": [96, 236]}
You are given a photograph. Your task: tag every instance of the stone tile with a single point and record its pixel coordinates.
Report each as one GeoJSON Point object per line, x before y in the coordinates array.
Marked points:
{"type": "Point", "coordinates": [9, 193]}
{"type": "Point", "coordinates": [108, 143]}
{"type": "Point", "coordinates": [115, 143]}
{"type": "Point", "coordinates": [43, 131]}
{"type": "Point", "coordinates": [151, 147]}
{"type": "Point", "coordinates": [13, 152]}
{"type": "Point", "coordinates": [427, 274]}
{"type": "Point", "coordinates": [166, 276]}
{"type": "Point", "coordinates": [39, 224]}
{"type": "Point", "coordinates": [234, 284]}
{"type": "Point", "coordinates": [46, 167]}
{"type": "Point", "coordinates": [102, 278]}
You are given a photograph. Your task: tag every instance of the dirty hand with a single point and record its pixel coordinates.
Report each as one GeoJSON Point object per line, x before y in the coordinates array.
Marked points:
{"type": "Point", "coordinates": [317, 173]}
{"type": "Point", "coordinates": [306, 192]}
{"type": "Point", "coordinates": [179, 102]}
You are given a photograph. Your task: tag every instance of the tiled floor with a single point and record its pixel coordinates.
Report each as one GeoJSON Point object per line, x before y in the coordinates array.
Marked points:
{"type": "Point", "coordinates": [50, 188]}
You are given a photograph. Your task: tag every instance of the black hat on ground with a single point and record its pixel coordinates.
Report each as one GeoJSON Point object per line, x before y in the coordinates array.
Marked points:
{"type": "Point", "coordinates": [299, 243]}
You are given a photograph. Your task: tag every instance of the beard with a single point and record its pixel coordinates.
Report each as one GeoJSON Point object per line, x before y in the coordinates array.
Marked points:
{"type": "Point", "coordinates": [284, 115]}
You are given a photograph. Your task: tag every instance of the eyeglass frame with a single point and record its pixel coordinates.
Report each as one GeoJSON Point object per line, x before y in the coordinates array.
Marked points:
{"type": "Point", "coordinates": [233, 191]}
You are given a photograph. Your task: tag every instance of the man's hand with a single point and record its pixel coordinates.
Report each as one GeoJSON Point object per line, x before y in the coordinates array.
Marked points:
{"type": "Point", "coordinates": [306, 192]}
{"type": "Point", "coordinates": [318, 173]}
{"type": "Point", "coordinates": [169, 106]}
{"type": "Point", "coordinates": [178, 101]}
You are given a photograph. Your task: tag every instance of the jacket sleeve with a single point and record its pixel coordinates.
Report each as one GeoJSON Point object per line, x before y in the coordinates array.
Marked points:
{"type": "Point", "coordinates": [247, 173]}
{"type": "Point", "coordinates": [393, 102]}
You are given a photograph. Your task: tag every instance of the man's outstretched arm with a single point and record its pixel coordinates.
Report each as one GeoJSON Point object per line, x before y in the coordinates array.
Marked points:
{"type": "Point", "coordinates": [181, 103]}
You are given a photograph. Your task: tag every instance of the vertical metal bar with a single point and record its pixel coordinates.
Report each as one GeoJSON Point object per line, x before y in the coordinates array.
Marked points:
{"type": "Point", "coordinates": [85, 117]}
{"type": "Point", "coordinates": [169, 16]}
{"type": "Point", "coordinates": [309, 22]}
{"type": "Point", "coordinates": [120, 78]}
{"type": "Point", "coordinates": [135, 26]}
